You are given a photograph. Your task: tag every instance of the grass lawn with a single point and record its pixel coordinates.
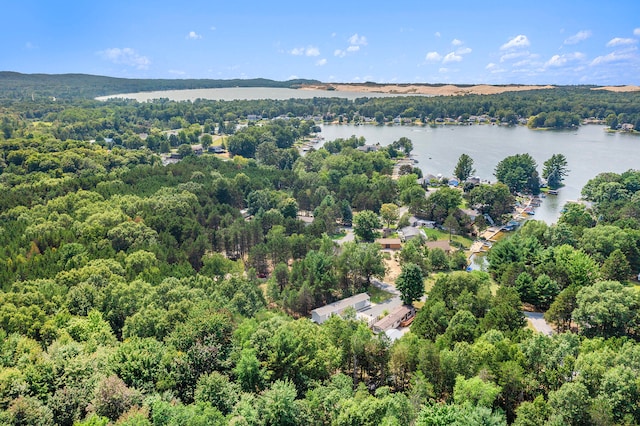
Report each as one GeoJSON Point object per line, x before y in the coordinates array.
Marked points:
{"type": "Point", "coordinates": [338, 236]}
{"type": "Point", "coordinates": [443, 235]}
{"type": "Point", "coordinates": [378, 295]}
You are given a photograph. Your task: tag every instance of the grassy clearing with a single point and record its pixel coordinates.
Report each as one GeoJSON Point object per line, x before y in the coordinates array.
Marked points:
{"type": "Point", "coordinates": [436, 234]}
{"type": "Point", "coordinates": [378, 295]}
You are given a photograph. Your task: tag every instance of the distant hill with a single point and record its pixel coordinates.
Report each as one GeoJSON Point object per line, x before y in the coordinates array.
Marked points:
{"type": "Point", "coordinates": [14, 85]}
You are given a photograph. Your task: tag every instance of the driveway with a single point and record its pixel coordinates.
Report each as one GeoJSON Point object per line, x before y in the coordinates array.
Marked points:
{"type": "Point", "coordinates": [349, 237]}
{"type": "Point", "coordinates": [539, 324]}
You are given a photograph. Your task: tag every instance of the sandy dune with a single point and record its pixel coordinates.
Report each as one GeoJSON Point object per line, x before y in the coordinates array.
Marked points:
{"type": "Point", "coordinates": [418, 89]}
{"type": "Point", "coordinates": [619, 88]}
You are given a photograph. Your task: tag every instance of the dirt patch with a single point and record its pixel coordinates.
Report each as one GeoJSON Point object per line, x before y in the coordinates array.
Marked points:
{"type": "Point", "coordinates": [393, 270]}
{"type": "Point", "coordinates": [619, 88]}
{"type": "Point", "coordinates": [424, 89]}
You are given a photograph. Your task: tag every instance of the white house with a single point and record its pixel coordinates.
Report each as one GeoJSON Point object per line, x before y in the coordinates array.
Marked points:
{"type": "Point", "coordinates": [357, 302]}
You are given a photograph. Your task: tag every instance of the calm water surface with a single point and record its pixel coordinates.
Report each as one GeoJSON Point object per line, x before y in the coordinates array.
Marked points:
{"type": "Point", "coordinates": [589, 150]}
{"type": "Point", "coordinates": [245, 93]}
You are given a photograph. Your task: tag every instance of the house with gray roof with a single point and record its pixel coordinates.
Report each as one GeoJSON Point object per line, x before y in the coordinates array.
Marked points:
{"type": "Point", "coordinates": [358, 302]}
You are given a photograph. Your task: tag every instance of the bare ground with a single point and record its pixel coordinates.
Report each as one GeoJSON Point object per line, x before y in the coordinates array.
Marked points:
{"type": "Point", "coordinates": [619, 88]}
{"type": "Point", "coordinates": [393, 270]}
{"type": "Point", "coordinates": [420, 89]}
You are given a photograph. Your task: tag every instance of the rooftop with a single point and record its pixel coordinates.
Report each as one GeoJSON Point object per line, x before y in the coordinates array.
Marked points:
{"type": "Point", "coordinates": [341, 304]}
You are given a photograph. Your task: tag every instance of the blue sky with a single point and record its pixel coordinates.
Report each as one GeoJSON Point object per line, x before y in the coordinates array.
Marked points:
{"type": "Point", "coordinates": [494, 42]}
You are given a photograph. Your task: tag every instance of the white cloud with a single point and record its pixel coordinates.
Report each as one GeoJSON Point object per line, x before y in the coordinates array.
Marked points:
{"type": "Point", "coordinates": [464, 51]}
{"type": "Point", "coordinates": [636, 32]}
{"type": "Point", "coordinates": [433, 57]}
{"type": "Point", "coordinates": [513, 55]}
{"type": "Point", "coordinates": [451, 57]}
{"type": "Point", "coordinates": [358, 40]}
{"type": "Point", "coordinates": [556, 61]}
{"type": "Point", "coordinates": [617, 41]}
{"type": "Point", "coordinates": [611, 57]}
{"type": "Point", "coordinates": [456, 42]}
{"type": "Point", "coordinates": [293, 77]}
{"type": "Point", "coordinates": [307, 51]}
{"type": "Point", "coordinates": [494, 68]}
{"type": "Point", "coordinates": [353, 48]}
{"type": "Point", "coordinates": [339, 53]}
{"type": "Point", "coordinates": [212, 28]}
{"type": "Point", "coordinates": [443, 70]}
{"type": "Point", "coordinates": [125, 56]}
{"type": "Point", "coordinates": [578, 37]}
{"type": "Point", "coordinates": [321, 62]}
{"type": "Point", "coordinates": [193, 35]}
{"type": "Point", "coordinates": [522, 63]}
{"type": "Point", "coordinates": [177, 72]}
{"type": "Point", "coordinates": [516, 42]}
{"type": "Point", "coordinates": [30, 45]}
{"type": "Point", "coordinates": [312, 51]}
{"type": "Point", "coordinates": [437, 34]}
{"type": "Point", "coordinates": [560, 60]}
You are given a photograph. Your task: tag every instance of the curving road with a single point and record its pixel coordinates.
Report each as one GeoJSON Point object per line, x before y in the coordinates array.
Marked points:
{"type": "Point", "coordinates": [538, 322]}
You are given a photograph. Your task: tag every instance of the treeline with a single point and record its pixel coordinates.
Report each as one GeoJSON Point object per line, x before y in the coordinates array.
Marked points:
{"type": "Point", "coordinates": [15, 85]}
{"type": "Point", "coordinates": [124, 121]}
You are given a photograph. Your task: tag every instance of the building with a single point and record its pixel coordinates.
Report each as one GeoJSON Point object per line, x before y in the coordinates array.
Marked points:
{"type": "Point", "coordinates": [414, 221]}
{"type": "Point", "coordinates": [441, 244]}
{"type": "Point", "coordinates": [394, 319]}
{"type": "Point", "coordinates": [358, 302]}
{"type": "Point", "coordinates": [197, 149]}
{"type": "Point", "coordinates": [390, 243]}
{"type": "Point", "coordinates": [368, 148]}
{"type": "Point", "coordinates": [410, 232]}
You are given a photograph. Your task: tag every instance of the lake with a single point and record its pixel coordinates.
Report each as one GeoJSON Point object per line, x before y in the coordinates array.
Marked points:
{"type": "Point", "coordinates": [245, 93]}
{"type": "Point", "coordinates": [589, 150]}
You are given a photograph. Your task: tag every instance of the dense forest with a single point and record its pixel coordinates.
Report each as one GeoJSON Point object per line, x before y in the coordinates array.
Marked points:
{"type": "Point", "coordinates": [73, 86]}
{"type": "Point", "coordinates": [137, 293]}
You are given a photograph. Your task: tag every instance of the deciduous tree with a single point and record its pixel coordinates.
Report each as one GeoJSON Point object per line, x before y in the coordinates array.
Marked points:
{"type": "Point", "coordinates": [410, 283]}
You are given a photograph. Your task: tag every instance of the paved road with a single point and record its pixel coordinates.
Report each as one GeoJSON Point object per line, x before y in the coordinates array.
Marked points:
{"type": "Point", "coordinates": [349, 237]}
{"type": "Point", "coordinates": [538, 322]}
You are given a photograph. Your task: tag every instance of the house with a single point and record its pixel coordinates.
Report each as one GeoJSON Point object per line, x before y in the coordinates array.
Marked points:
{"type": "Point", "coordinates": [441, 244]}
{"type": "Point", "coordinates": [393, 320]}
{"type": "Point", "coordinates": [306, 219]}
{"type": "Point", "coordinates": [368, 148]}
{"type": "Point", "coordinates": [390, 243]}
{"type": "Point", "coordinates": [474, 180]}
{"type": "Point", "coordinates": [410, 232]}
{"type": "Point", "coordinates": [416, 222]}
{"type": "Point", "coordinates": [357, 302]}
{"type": "Point", "coordinates": [197, 149]}
{"type": "Point", "coordinates": [471, 213]}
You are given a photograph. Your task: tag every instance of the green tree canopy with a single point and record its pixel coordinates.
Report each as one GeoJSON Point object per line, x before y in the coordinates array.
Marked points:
{"type": "Point", "coordinates": [519, 173]}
